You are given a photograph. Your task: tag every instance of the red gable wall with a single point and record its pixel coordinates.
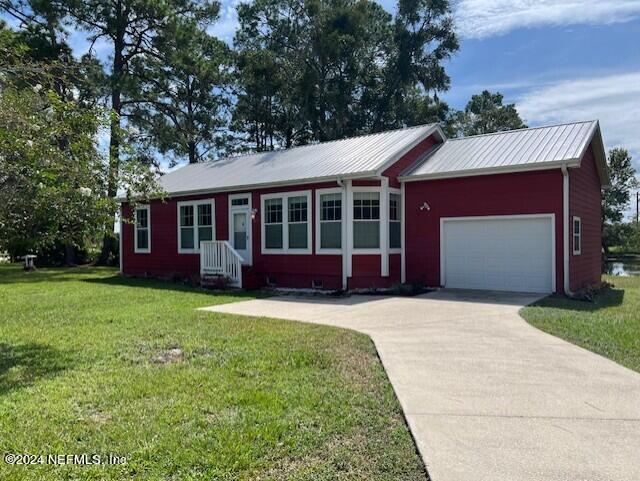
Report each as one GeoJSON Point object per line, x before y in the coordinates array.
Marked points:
{"type": "Point", "coordinates": [502, 194]}
{"type": "Point", "coordinates": [585, 196]}
{"type": "Point", "coordinates": [396, 169]}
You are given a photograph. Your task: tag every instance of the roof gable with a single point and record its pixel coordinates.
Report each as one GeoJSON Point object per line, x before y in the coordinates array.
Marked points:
{"type": "Point", "coordinates": [523, 149]}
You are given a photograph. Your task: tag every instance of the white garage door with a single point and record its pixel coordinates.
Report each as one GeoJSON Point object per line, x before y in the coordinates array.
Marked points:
{"type": "Point", "coordinates": [498, 253]}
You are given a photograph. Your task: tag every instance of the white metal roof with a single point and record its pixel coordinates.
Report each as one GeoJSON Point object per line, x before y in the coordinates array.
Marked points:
{"type": "Point", "coordinates": [524, 149]}
{"type": "Point", "coordinates": [361, 156]}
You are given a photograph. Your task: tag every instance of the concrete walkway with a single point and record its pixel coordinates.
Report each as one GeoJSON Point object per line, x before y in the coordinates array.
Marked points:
{"type": "Point", "coordinates": [488, 397]}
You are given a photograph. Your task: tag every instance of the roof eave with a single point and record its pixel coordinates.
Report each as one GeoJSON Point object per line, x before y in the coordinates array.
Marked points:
{"type": "Point", "coordinates": [267, 185]}
{"type": "Point", "coordinates": [491, 170]}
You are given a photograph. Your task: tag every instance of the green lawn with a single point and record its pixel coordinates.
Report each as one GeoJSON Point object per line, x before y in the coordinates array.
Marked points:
{"type": "Point", "coordinates": [610, 326]}
{"type": "Point", "coordinates": [92, 363]}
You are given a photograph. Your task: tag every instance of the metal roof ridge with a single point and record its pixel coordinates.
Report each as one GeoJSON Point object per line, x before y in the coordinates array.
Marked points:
{"type": "Point", "coordinates": [562, 124]}
{"type": "Point", "coordinates": [370, 134]}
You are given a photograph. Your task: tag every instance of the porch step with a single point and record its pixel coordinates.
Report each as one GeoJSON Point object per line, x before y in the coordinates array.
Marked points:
{"type": "Point", "coordinates": [220, 261]}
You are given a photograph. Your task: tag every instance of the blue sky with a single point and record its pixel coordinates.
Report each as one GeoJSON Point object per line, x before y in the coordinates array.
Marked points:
{"type": "Point", "coordinates": [558, 60]}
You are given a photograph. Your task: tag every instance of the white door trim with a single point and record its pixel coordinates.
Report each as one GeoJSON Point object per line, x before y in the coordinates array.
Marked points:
{"type": "Point", "coordinates": [550, 216]}
{"type": "Point", "coordinates": [241, 208]}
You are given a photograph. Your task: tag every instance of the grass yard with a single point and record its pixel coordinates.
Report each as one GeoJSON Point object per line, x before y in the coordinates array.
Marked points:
{"type": "Point", "coordinates": [92, 363]}
{"type": "Point", "coordinates": [610, 326]}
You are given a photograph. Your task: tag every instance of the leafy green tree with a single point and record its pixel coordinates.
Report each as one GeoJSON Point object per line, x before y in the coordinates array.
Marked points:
{"type": "Point", "coordinates": [623, 180]}
{"type": "Point", "coordinates": [615, 199]}
{"type": "Point", "coordinates": [260, 110]}
{"type": "Point", "coordinates": [315, 71]}
{"type": "Point", "coordinates": [51, 174]}
{"type": "Point", "coordinates": [485, 113]}
{"type": "Point", "coordinates": [129, 27]}
{"type": "Point", "coordinates": [631, 242]}
{"type": "Point", "coordinates": [181, 100]}
{"type": "Point", "coordinates": [423, 38]}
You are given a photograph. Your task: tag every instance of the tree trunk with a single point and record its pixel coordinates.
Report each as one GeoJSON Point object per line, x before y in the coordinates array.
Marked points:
{"type": "Point", "coordinates": [191, 130]}
{"type": "Point", "coordinates": [69, 255]}
{"type": "Point", "coordinates": [192, 152]}
{"type": "Point", "coordinates": [108, 239]}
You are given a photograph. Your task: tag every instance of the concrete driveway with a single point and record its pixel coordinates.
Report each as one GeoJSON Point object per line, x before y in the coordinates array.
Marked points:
{"type": "Point", "coordinates": [486, 396]}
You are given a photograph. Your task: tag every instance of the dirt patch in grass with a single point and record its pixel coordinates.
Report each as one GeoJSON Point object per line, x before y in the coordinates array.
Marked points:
{"type": "Point", "coordinates": [168, 356]}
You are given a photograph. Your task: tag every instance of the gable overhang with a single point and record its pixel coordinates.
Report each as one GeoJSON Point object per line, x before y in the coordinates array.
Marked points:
{"type": "Point", "coordinates": [436, 131]}
{"type": "Point", "coordinates": [595, 139]}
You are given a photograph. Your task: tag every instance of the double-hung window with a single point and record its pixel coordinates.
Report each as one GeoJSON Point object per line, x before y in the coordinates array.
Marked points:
{"type": "Point", "coordinates": [286, 223]}
{"type": "Point", "coordinates": [273, 225]}
{"type": "Point", "coordinates": [366, 220]}
{"type": "Point", "coordinates": [195, 224]}
{"type": "Point", "coordinates": [142, 233]}
{"type": "Point", "coordinates": [329, 212]}
{"type": "Point", "coordinates": [395, 221]}
{"type": "Point", "coordinates": [577, 236]}
{"type": "Point", "coordinates": [298, 221]}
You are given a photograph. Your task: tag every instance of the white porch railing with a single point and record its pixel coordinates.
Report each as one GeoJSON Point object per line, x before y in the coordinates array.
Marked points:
{"type": "Point", "coordinates": [219, 258]}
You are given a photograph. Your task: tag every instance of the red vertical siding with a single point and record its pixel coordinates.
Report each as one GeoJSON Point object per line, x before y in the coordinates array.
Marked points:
{"type": "Point", "coordinates": [164, 260]}
{"type": "Point", "coordinates": [286, 270]}
{"type": "Point", "coordinates": [503, 194]}
{"type": "Point", "coordinates": [396, 169]}
{"type": "Point", "coordinates": [585, 202]}
{"type": "Point", "coordinates": [296, 270]}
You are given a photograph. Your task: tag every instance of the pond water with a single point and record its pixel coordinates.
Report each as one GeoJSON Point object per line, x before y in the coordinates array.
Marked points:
{"type": "Point", "coordinates": [622, 267]}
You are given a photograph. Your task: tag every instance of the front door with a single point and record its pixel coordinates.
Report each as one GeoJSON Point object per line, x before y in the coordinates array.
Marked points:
{"type": "Point", "coordinates": [240, 226]}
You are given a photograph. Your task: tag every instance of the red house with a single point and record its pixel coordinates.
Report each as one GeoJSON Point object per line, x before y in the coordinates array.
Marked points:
{"type": "Point", "coordinates": [515, 211]}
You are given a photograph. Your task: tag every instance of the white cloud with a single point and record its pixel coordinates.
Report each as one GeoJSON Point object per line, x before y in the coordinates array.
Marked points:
{"type": "Point", "coordinates": [484, 18]}
{"type": "Point", "coordinates": [613, 99]}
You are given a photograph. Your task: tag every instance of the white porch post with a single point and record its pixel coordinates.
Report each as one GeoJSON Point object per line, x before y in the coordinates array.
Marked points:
{"type": "Point", "coordinates": [347, 231]}
{"type": "Point", "coordinates": [384, 227]}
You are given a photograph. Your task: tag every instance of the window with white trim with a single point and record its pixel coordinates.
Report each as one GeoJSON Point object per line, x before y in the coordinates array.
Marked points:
{"type": "Point", "coordinates": [273, 225]}
{"type": "Point", "coordinates": [395, 221]}
{"type": "Point", "coordinates": [142, 234]}
{"type": "Point", "coordinates": [195, 224]}
{"type": "Point", "coordinates": [577, 236]}
{"type": "Point", "coordinates": [330, 221]}
{"type": "Point", "coordinates": [298, 219]}
{"type": "Point", "coordinates": [366, 220]}
{"type": "Point", "coordinates": [286, 224]}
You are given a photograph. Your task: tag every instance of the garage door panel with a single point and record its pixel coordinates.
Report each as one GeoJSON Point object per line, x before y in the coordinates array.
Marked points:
{"type": "Point", "coordinates": [512, 254]}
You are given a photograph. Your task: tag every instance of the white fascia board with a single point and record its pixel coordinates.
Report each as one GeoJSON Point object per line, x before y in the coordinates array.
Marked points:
{"type": "Point", "coordinates": [492, 170]}
{"type": "Point", "coordinates": [268, 185]}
